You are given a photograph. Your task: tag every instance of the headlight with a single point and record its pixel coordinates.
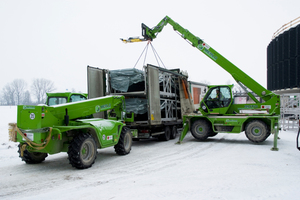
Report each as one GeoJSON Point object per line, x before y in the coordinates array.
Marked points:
{"type": "Point", "coordinates": [203, 107]}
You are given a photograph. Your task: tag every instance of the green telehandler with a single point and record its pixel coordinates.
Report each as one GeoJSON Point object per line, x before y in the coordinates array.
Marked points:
{"type": "Point", "coordinates": [218, 113]}
{"type": "Point", "coordinates": [70, 127]}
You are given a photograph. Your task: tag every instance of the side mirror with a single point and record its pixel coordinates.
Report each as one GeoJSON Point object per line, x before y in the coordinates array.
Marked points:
{"type": "Point", "coordinates": [123, 115]}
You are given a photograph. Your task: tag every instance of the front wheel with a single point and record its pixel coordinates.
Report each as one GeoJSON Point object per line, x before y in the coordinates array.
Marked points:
{"type": "Point", "coordinates": [125, 142]}
{"type": "Point", "coordinates": [82, 151]}
{"type": "Point", "coordinates": [201, 129]}
{"type": "Point", "coordinates": [257, 131]}
{"type": "Point", "coordinates": [31, 157]}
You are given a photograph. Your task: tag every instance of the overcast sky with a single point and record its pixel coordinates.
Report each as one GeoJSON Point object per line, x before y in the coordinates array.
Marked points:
{"type": "Point", "coordinates": [57, 39]}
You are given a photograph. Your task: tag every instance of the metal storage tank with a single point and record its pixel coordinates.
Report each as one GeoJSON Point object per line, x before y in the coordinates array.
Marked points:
{"type": "Point", "coordinates": [283, 59]}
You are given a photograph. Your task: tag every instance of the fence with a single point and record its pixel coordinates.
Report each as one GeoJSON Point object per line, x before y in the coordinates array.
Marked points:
{"type": "Point", "coordinates": [290, 111]}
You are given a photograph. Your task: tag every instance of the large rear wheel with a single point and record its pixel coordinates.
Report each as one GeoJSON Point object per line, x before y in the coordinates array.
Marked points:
{"type": "Point", "coordinates": [125, 142]}
{"type": "Point", "coordinates": [31, 157]}
{"type": "Point", "coordinates": [173, 132]}
{"type": "Point", "coordinates": [167, 135]}
{"type": "Point", "coordinates": [82, 151]}
{"type": "Point", "coordinates": [257, 131]}
{"type": "Point", "coordinates": [201, 129]}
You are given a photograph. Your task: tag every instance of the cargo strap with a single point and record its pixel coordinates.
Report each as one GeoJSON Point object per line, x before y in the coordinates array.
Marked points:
{"type": "Point", "coordinates": [184, 85]}
{"type": "Point", "coordinates": [29, 142]}
{"type": "Point", "coordinates": [155, 55]}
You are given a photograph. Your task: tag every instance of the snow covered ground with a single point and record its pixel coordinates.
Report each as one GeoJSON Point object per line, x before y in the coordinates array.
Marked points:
{"type": "Point", "coordinates": [227, 166]}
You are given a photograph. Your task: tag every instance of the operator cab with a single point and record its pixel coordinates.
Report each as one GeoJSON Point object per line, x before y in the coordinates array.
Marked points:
{"type": "Point", "coordinates": [61, 98]}
{"type": "Point", "coordinates": [217, 100]}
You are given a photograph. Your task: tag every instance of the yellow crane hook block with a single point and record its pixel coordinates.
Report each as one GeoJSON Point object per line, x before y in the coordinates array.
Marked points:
{"type": "Point", "coordinates": [131, 40]}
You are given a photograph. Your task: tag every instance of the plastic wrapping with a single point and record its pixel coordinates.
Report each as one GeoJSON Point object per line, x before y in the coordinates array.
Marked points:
{"type": "Point", "coordinates": [136, 105]}
{"type": "Point", "coordinates": [122, 79]}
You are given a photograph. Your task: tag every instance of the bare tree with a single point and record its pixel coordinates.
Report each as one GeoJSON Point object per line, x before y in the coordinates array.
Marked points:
{"type": "Point", "coordinates": [40, 87]}
{"type": "Point", "coordinates": [2, 100]}
{"type": "Point", "coordinates": [8, 94]}
{"type": "Point", "coordinates": [27, 99]}
{"type": "Point", "coordinates": [19, 85]}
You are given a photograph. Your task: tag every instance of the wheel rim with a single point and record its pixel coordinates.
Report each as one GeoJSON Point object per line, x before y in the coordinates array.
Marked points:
{"type": "Point", "coordinates": [87, 152]}
{"type": "Point", "coordinates": [199, 130]}
{"type": "Point", "coordinates": [256, 131]}
{"type": "Point", "coordinates": [127, 142]}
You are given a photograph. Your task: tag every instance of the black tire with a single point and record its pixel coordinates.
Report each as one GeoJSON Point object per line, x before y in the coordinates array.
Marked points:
{"type": "Point", "coordinates": [201, 129]}
{"type": "Point", "coordinates": [82, 151]}
{"type": "Point", "coordinates": [257, 131]}
{"type": "Point", "coordinates": [125, 142]}
{"type": "Point", "coordinates": [173, 132]}
{"type": "Point", "coordinates": [31, 157]}
{"type": "Point", "coordinates": [213, 134]}
{"type": "Point", "coordinates": [167, 135]}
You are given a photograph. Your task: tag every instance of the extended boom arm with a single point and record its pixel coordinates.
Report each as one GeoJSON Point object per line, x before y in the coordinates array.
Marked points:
{"type": "Point", "coordinates": [241, 78]}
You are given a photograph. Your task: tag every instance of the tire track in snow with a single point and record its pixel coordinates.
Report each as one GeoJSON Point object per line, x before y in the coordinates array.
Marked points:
{"type": "Point", "coordinates": [146, 157]}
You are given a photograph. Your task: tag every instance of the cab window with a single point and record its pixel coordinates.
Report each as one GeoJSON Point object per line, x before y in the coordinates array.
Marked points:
{"type": "Point", "coordinates": [56, 100]}
{"type": "Point", "coordinates": [77, 97]}
{"type": "Point", "coordinates": [218, 97]}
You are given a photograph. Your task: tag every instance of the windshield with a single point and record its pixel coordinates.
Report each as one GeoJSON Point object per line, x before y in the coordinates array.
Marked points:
{"type": "Point", "coordinates": [56, 100]}
{"type": "Point", "coordinates": [60, 100]}
{"type": "Point", "coordinates": [77, 97]}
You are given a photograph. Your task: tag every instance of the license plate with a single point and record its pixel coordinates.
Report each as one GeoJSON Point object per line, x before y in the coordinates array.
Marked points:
{"type": "Point", "coordinates": [29, 136]}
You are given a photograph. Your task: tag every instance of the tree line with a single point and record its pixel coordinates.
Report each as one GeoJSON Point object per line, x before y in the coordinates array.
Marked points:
{"type": "Point", "coordinates": [16, 92]}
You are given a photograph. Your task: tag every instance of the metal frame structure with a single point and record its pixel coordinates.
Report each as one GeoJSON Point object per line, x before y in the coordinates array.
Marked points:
{"type": "Point", "coordinates": [168, 96]}
{"type": "Point", "coordinates": [290, 111]}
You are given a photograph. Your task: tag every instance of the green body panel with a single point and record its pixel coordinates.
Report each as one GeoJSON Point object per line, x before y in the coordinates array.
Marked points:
{"type": "Point", "coordinates": [270, 106]}
{"type": "Point", "coordinates": [108, 131]}
{"type": "Point", "coordinates": [67, 120]}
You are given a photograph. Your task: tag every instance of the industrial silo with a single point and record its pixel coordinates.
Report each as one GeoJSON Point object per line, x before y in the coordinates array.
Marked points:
{"type": "Point", "coordinates": [283, 59]}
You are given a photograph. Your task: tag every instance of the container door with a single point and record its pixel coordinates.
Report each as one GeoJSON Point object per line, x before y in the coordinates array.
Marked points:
{"type": "Point", "coordinates": [154, 112]}
{"type": "Point", "coordinates": [96, 85]}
